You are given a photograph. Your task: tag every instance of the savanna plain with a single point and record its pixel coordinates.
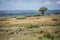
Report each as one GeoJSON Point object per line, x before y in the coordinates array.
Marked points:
{"type": "Point", "coordinates": [34, 27]}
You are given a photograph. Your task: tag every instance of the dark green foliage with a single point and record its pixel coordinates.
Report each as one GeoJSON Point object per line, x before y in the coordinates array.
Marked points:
{"type": "Point", "coordinates": [33, 15]}
{"type": "Point", "coordinates": [32, 26]}
{"type": "Point", "coordinates": [57, 13]}
{"type": "Point", "coordinates": [3, 19]}
{"type": "Point", "coordinates": [52, 37]}
{"type": "Point", "coordinates": [40, 37]}
{"type": "Point", "coordinates": [11, 33]}
{"type": "Point", "coordinates": [47, 35]}
{"type": "Point", "coordinates": [43, 9]}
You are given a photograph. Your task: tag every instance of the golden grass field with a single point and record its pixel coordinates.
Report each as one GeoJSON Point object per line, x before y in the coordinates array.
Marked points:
{"type": "Point", "coordinates": [45, 27]}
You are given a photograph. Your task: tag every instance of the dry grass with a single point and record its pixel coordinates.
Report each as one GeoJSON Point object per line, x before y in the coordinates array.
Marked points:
{"type": "Point", "coordinates": [30, 28]}
{"type": "Point", "coordinates": [40, 20]}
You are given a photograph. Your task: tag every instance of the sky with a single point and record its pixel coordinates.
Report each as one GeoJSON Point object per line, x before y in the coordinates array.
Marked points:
{"type": "Point", "coordinates": [29, 4]}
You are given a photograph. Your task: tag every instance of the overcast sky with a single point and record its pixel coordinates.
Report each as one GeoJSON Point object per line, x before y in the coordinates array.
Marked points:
{"type": "Point", "coordinates": [29, 4]}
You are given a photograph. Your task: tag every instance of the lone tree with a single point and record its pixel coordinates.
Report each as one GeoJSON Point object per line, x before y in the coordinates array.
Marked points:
{"type": "Point", "coordinates": [43, 9]}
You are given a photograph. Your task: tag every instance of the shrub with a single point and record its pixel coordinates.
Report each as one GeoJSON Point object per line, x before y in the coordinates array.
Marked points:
{"type": "Point", "coordinates": [41, 32]}
{"type": "Point", "coordinates": [3, 19]}
{"type": "Point", "coordinates": [57, 13]}
{"type": "Point", "coordinates": [28, 16]}
{"type": "Point", "coordinates": [47, 35]}
{"type": "Point", "coordinates": [54, 19]}
{"type": "Point", "coordinates": [36, 15]}
{"type": "Point", "coordinates": [21, 18]}
{"type": "Point", "coordinates": [40, 37]}
{"type": "Point", "coordinates": [11, 33]}
{"type": "Point", "coordinates": [32, 26]}
{"type": "Point", "coordinates": [57, 31]}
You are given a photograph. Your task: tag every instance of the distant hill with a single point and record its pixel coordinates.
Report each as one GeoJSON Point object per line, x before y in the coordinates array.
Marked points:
{"type": "Point", "coordinates": [25, 12]}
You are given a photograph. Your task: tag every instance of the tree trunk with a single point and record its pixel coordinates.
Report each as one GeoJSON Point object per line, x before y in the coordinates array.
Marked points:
{"type": "Point", "coordinates": [42, 13]}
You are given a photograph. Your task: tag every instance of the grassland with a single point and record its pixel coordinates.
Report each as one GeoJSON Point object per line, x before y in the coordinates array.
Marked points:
{"type": "Point", "coordinates": [30, 27]}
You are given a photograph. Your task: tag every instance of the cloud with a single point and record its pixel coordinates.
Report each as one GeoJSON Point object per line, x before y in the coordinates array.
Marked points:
{"type": "Point", "coordinates": [10, 3]}
{"type": "Point", "coordinates": [36, 4]}
{"type": "Point", "coordinates": [47, 2]}
{"type": "Point", "coordinates": [16, 4]}
{"type": "Point", "coordinates": [58, 2]}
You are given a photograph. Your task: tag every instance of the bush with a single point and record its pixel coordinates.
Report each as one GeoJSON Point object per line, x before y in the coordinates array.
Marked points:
{"type": "Point", "coordinates": [33, 15]}
{"type": "Point", "coordinates": [28, 16]}
{"type": "Point", "coordinates": [36, 15]}
{"type": "Point", "coordinates": [32, 26]}
{"type": "Point", "coordinates": [47, 35]}
{"type": "Point", "coordinates": [40, 37]}
{"type": "Point", "coordinates": [57, 13]}
{"type": "Point", "coordinates": [57, 31]}
{"type": "Point", "coordinates": [11, 33]}
{"type": "Point", "coordinates": [3, 19]}
{"type": "Point", "coordinates": [18, 18]}
{"type": "Point", "coordinates": [54, 19]}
